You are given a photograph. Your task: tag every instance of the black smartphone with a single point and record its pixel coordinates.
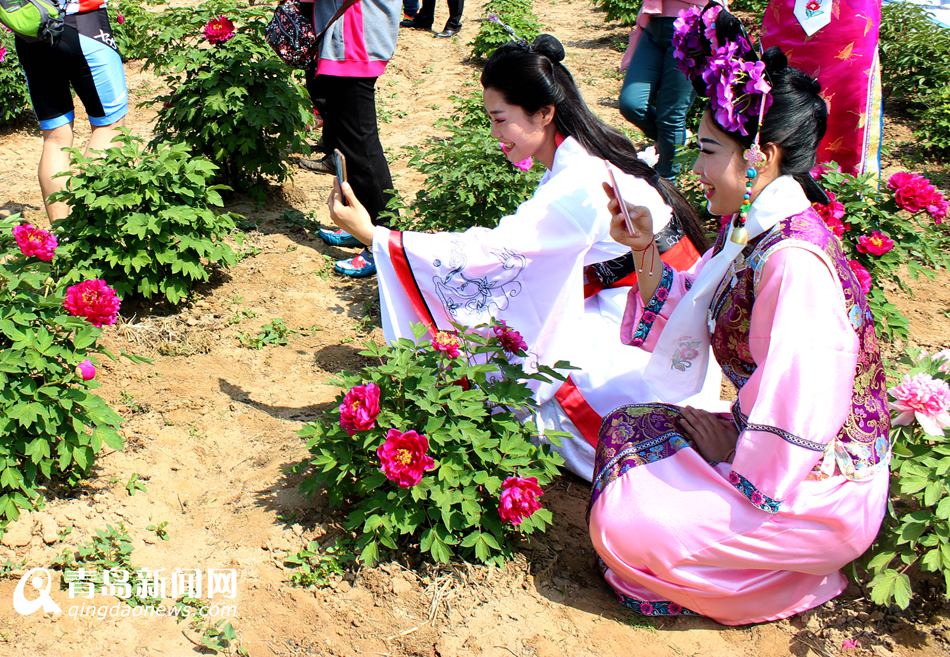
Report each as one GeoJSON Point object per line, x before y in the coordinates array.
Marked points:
{"type": "Point", "coordinates": [339, 163]}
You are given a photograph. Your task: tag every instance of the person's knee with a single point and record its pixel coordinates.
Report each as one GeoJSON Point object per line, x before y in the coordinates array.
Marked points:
{"type": "Point", "coordinates": [634, 106]}
{"type": "Point", "coordinates": [61, 137]}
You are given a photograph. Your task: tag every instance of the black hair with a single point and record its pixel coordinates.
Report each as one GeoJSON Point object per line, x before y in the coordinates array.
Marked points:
{"type": "Point", "coordinates": [533, 77]}
{"type": "Point", "coordinates": [797, 118]}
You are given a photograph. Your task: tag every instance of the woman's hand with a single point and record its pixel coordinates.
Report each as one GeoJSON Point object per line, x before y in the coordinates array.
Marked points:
{"type": "Point", "coordinates": [714, 436]}
{"type": "Point", "coordinates": [351, 217]}
{"type": "Point", "coordinates": [640, 218]}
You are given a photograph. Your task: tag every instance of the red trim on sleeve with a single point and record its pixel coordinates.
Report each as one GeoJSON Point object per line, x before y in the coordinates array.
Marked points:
{"type": "Point", "coordinates": [404, 272]}
{"type": "Point", "coordinates": [585, 418]}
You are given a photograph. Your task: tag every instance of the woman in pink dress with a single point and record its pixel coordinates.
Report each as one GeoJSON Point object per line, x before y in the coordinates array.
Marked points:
{"type": "Point", "coordinates": [836, 41]}
{"type": "Point", "coordinates": [747, 518]}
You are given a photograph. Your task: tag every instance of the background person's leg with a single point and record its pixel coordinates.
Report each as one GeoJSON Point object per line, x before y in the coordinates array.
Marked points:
{"type": "Point", "coordinates": [353, 108]}
{"type": "Point", "coordinates": [55, 160]}
{"type": "Point", "coordinates": [674, 96]}
{"type": "Point", "coordinates": [643, 74]}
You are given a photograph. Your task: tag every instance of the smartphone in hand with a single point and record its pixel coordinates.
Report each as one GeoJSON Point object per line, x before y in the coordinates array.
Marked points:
{"type": "Point", "coordinates": [339, 163]}
{"type": "Point", "coordinates": [620, 202]}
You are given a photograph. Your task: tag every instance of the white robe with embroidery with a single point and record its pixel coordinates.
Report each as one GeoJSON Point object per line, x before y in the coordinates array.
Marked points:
{"type": "Point", "coordinates": [529, 271]}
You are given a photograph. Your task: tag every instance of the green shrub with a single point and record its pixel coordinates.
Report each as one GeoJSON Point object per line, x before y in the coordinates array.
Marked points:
{"type": "Point", "coordinates": [620, 11]}
{"type": "Point", "coordinates": [933, 133]}
{"type": "Point", "coordinates": [51, 424]}
{"type": "Point", "coordinates": [13, 89]}
{"type": "Point", "coordinates": [756, 7]}
{"type": "Point", "coordinates": [913, 53]}
{"type": "Point", "coordinates": [144, 220]}
{"type": "Point", "coordinates": [469, 408]}
{"type": "Point", "coordinates": [916, 532]}
{"type": "Point", "coordinates": [920, 242]}
{"type": "Point", "coordinates": [134, 26]}
{"type": "Point", "coordinates": [468, 180]}
{"type": "Point", "coordinates": [235, 102]}
{"type": "Point", "coordinates": [517, 14]}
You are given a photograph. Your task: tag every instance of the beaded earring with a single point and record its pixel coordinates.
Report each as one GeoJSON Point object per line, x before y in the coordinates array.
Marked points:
{"type": "Point", "coordinates": [754, 158]}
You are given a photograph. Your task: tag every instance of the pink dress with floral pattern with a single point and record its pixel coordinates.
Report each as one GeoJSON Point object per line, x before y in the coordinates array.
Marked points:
{"type": "Point", "coordinates": [765, 536]}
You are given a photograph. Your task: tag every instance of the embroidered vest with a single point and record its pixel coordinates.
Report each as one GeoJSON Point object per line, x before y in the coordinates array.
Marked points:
{"type": "Point", "coordinates": [862, 446]}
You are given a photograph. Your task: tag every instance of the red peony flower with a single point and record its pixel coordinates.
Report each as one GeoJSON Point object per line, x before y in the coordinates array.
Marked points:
{"type": "Point", "coordinates": [914, 193]}
{"type": "Point", "coordinates": [832, 214]}
{"type": "Point", "coordinates": [35, 242]}
{"type": "Point", "coordinates": [94, 300]}
{"type": "Point", "coordinates": [511, 340]}
{"type": "Point", "coordinates": [403, 457]}
{"type": "Point", "coordinates": [360, 408]}
{"type": "Point", "coordinates": [218, 30]}
{"type": "Point", "coordinates": [446, 343]}
{"type": "Point", "coordinates": [876, 244]}
{"type": "Point", "coordinates": [862, 275]}
{"type": "Point", "coordinates": [519, 499]}
{"type": "Point", "coordinates": [3, 53]}
{"type": "Point", "coordinates": [120, 19]}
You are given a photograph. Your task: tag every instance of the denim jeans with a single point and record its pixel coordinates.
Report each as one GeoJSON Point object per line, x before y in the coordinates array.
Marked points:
{"type": "Point", "coordinates": [655, 95]}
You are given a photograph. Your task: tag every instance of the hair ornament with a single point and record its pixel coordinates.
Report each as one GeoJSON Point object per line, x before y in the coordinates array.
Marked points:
{"type": "Point", "coordinates": [713, 50]}
{"type": "Point", "coordinates": [495, 18]}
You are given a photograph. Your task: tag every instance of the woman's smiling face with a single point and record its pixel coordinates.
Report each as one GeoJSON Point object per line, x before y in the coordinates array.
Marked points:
{"type": "Point", "coordinates": [721, 168]}
{"type": "Point", "coordinates": [521, 134]}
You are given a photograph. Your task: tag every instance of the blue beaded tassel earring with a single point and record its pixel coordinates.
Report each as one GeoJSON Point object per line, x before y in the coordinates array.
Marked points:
{"type": "Point", "coordinates": [754, 158]}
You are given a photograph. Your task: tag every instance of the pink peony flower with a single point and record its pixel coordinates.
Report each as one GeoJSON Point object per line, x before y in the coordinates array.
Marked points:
{"type": "Point", "coordinates": [219, 30]}
{"type": "Point", "coordinates": [35, 242]}
{"type": "Point", "coordinates": [511, 340]}
{"type": "Point", "coordinates": [925, 399]}
{"type": "Point", "coordinates": [876, 244]}
{"type": "Point", "coordinates": [446, 343]}
{"type": "Point", "coordinates": [942, 357]}
{"type": "Point", "coordinates": [94, 300]}
{"type": "Point", "coordinates": [120, 19]}
{"type": "Point", "coordinates": [3, 54]}
{"type": "Point", "coordinates": [519, 499]}
{"type": "Point", "coordinates": [862, 275]}
{"type": "Point", "coordinates": [914, 193]}
{"type": "Point", "coordinates": [832, 214]}
{"type": "Point", "coordinates": [86, 370]}
{"type": "Point", "coordinates": [403, 457]}
{"type": "Point", "coordinates": [360, 408]}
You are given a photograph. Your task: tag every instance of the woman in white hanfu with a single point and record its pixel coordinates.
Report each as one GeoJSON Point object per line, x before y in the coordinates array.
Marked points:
{"type": "Point", "coordinates": [530, 270]}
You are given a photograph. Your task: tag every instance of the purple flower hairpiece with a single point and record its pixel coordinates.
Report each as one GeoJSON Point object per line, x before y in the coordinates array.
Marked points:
{"type": "Point", "coordinates": [730, 73]}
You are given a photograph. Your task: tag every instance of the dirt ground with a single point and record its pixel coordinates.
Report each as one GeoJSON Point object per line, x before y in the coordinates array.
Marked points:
{"type": "Point", "coordinates": [211, 425]}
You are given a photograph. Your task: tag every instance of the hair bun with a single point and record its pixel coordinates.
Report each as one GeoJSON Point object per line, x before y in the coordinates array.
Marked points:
{"type": "Point", "coordinates": [549, 46]}
{"type": "Point", "coordinates": [775, 60]}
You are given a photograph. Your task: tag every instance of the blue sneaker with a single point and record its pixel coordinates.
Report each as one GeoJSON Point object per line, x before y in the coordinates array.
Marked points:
{"type": "Point", "coordinates": [359, 266]}
{"type": "Point", "coordinates": [338, 237]}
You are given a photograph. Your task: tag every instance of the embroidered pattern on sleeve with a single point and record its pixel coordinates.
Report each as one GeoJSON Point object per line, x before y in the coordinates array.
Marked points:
{"type": "Point", "coordinates": [653, 308]}
{"type": "Point", "coordinates": [742, 423]}
{"type": "Point", "coordinates": [748, 489]}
